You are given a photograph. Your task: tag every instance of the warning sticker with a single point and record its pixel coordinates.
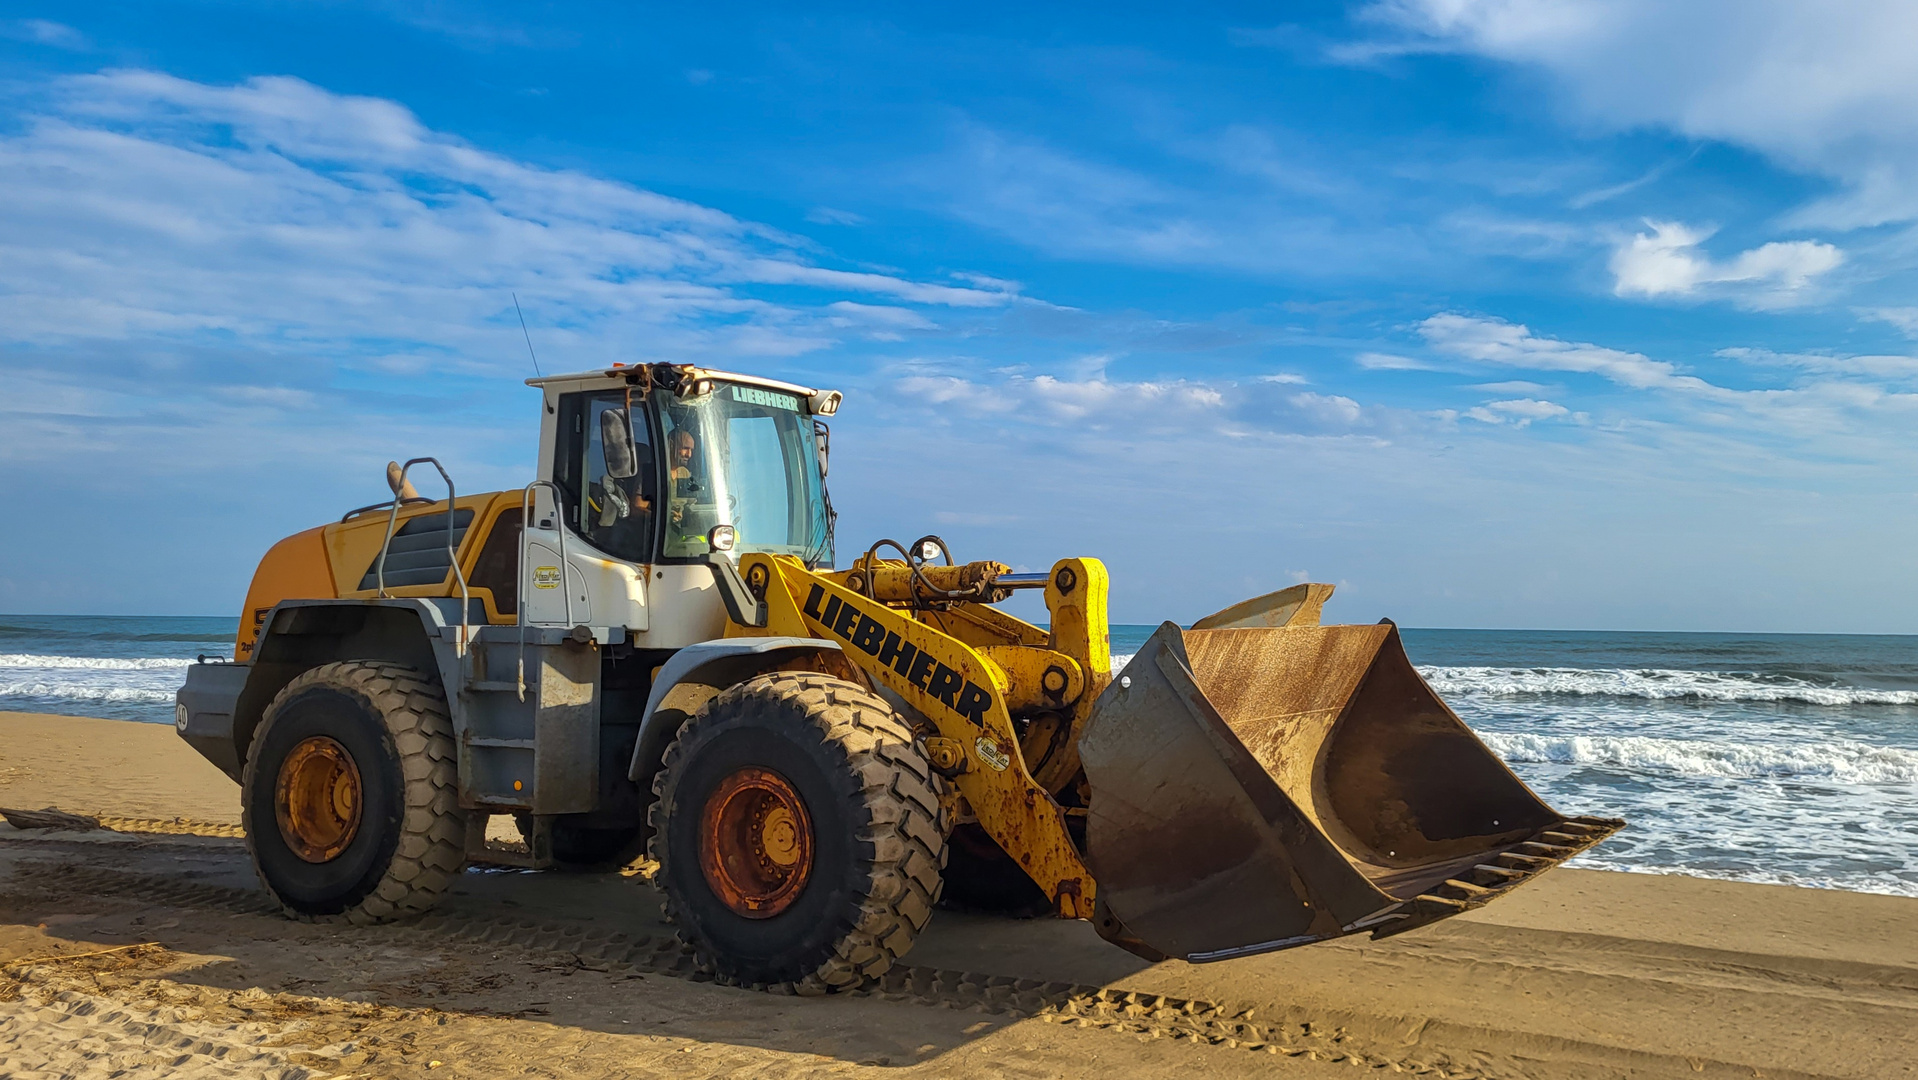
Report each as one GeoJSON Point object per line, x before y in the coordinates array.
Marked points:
{"type": "Point", "coordinates": [990, 753]}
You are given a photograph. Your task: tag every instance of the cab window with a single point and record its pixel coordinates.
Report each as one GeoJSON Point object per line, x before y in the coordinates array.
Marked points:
{"type": "Point", "coordinates": [616, 515]}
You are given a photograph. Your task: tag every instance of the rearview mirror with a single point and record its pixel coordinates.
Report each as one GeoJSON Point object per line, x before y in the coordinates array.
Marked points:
{"type": "Point", "coordinates": [822, 443]}
{"type": "Point", "coordinates": [616, 442]}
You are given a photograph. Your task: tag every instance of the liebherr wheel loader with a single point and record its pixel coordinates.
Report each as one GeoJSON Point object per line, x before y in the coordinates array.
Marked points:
{"type": "Point", "coordinates": [649, 649]}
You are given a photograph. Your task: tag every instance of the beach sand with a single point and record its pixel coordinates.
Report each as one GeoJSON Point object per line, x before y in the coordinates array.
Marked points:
{"type": "Point", "coordinates": [1580, 974]}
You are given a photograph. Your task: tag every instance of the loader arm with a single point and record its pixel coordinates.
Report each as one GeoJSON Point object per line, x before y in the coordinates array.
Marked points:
{"type": "Point", "coordinates": [962, 677]}
{"type": "Point", "coordinates": [1260, 783]}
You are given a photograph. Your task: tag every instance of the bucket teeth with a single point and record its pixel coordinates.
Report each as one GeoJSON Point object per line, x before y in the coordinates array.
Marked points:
{"type": "Point", "coordinates": [1548, 851]}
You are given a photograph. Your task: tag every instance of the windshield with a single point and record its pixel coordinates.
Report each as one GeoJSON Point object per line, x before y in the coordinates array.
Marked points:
{"type": "Point", "coordinates": [743, 456]}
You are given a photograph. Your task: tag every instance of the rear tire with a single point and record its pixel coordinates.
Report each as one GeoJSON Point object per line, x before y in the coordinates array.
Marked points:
{"type": "Point", "coordinates": [797, 825]}
{"type": "Point", "coordinates": [390, 836]}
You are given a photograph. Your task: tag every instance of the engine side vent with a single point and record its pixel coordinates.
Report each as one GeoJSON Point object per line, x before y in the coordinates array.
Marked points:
{"type": "Point", "coordinates": [417, 553]}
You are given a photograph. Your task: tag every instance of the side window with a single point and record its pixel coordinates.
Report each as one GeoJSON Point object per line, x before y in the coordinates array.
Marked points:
{"type": "Point", "coordinates": [614, 514]}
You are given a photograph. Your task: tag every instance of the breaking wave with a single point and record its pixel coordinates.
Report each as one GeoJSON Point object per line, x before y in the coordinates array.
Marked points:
{"type": "Point", "coordinates": [1650, 684]}
{"type": "Point", "coordinates": [91, 663]}
{"type": "Point", "coordinates": [1884, 882]}
{"type": "Point", "coordinates": [121, 695]}
{"type": "Point", "coordinates": [1844, 760]}
{"type": "Point", "coordinates": [1653, 684]}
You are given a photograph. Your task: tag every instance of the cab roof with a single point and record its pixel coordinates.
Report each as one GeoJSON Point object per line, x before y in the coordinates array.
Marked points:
{"type": "Point", "coordinates": [819, 401]}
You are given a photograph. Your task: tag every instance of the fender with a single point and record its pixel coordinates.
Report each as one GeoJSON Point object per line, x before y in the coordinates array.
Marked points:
{"type": "Point", "coordinates": [221, 704]}
{"type": "Point", "coordinates": [696, 674]}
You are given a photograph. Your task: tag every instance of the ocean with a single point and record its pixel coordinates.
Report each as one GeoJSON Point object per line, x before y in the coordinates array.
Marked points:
{"type": "Point", "coordinates": [1783, 758]}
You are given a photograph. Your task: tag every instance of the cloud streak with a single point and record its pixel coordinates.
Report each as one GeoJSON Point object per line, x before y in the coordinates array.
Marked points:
{"type": "Point", "coordinates": [1823, 89]}
{"type": "Point", "coordinates": [1667, 262]}
{"type": "Point", "coordinates": [138, 205]}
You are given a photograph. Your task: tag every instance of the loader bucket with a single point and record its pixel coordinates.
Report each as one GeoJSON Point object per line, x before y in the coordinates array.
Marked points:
{"type": "Point", "coordinates": [1259, 788]}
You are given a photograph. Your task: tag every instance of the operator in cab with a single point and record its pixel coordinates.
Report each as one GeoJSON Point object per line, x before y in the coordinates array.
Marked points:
{"type": "Point", "coordinates": [689, 512]}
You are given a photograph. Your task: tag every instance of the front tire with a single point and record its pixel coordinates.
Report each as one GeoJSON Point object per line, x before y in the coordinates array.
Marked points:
{"type": "Point", "coordinates": [350, 794]}
{"type": "Point", "coordinates": [797, 827]}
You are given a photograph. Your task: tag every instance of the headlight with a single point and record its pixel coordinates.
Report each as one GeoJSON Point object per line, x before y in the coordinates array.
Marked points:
{"type": "Point", "coordinates": [723, 537]}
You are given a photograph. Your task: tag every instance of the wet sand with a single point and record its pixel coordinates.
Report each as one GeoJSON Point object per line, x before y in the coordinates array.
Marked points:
{"type": "Point", "coordinates": [1580, 974]}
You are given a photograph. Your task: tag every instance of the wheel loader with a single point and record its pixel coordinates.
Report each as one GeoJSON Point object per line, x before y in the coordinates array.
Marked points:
{"type": "Point", "coordinates": [649, 650]}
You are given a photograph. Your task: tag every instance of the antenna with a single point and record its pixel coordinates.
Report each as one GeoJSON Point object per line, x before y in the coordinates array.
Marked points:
{"type": "Point", "coordinates": [529, 337]}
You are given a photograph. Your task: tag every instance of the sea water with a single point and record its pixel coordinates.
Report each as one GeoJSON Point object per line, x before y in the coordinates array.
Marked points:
{"type": "Point", "coordinates": [119, 667]}
{"type": "Point", "coordinates": [1788, 758]}
{"type": "Point", "coordinates": [1784, 758]}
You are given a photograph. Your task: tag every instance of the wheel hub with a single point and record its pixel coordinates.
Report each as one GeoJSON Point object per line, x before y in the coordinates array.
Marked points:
{"type": "Point", "coordinates": [756, 843]}
{"type": "Point", "coordinates": [317, 799]}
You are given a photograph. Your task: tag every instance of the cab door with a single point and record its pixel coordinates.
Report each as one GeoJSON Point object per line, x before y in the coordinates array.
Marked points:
{"type": "Point", "coordinates": [551, 592]}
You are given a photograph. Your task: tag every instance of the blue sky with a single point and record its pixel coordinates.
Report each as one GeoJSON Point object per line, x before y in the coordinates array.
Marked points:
{"type": "Point", "coordinates": [1493, 312]}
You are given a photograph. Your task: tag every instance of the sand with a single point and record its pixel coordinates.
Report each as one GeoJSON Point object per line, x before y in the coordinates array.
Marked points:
{"type": "Point", "coordinates": [125, 769]}
{"type": "Point", "coordinates": [1580, 974]}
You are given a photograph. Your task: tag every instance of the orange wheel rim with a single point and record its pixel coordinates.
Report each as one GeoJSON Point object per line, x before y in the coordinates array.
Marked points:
{"type": "Point", "coordinates": [756, 843]}
{"type": "Point", "coordinates": [317, 799]}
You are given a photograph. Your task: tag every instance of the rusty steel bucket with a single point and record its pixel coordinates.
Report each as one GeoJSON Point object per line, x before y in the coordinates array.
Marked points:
{"type": "Point", "coordinates": [1257, 788]}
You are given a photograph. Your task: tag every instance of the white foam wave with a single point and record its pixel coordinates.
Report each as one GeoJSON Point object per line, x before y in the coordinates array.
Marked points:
{"type": "Point", "coordinates": [1885, 883]}
{"type": "Point", "coordinates": [1652, 684]}
{"type": "Point", "coordinates": [82, 692]}
{"type": "Point", "coordinates": [92, 663]}
{"type": "Point", "coordinates": [1842, 760]}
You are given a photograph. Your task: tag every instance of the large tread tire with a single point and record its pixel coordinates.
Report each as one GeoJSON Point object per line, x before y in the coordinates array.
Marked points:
{"type": "Point", "coordinates": [875, 805]}
{"type": "Point", "coordinates": [411, 842]}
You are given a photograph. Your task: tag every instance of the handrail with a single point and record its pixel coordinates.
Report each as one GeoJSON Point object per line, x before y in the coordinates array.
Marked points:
{"type": "Point", "coordinates": [351, 514]}
{"type": "Point", "coordinates": [526, 508]}
{"type": "Point", "coordinates": [452, 553]}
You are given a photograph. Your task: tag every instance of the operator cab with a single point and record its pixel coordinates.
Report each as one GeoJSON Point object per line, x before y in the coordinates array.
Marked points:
{"type": "Point", "coordinates": [646, 462]}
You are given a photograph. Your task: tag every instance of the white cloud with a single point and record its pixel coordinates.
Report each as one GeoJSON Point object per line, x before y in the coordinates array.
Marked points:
{"type": "Point", "coordinates": [1838, 401]}
{"type": "Point", "coordinates": [826, 215]}
{"type": "Point", "coordinates": [1378, 361]}
{"type": "Point", "coordinates": [1095, 400]}
{"type": "Point", "coordinates": [1904, 318]}
{"type": "Point", "coordinates": [1495, 341]}
{"type": "Point", "coordinates": [880, 322]}
{"type": "Point", "coordinates": [1186, 411]}
{"type": "Point", "coordinates": [1513, 386]}
{"type": "Point", "coordinates": [43, 32]}
{"type": "Point", "coordinates": [1826, 88]}
{"type": "Point", "coordinates": [1519, 412]}
{"type": "Point", "coordinates": [1888, 368]}
{"type": "Point", "coordinates": [1667, 262]}
{"type": "Point", "coordinates": [138, 206]}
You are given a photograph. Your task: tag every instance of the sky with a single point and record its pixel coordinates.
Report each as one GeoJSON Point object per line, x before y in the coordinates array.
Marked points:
{"type": "Point", "coordinates": [1493, 313]}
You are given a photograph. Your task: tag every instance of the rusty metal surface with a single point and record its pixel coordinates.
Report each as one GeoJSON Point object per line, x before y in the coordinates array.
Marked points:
{"type": "Point", "coordinates": [1299, 605]}
{"type": "Point", "coordinates": [756, 843]}
{"type": "Point", "coordinates": [317, 799]}
{"type": "Point", "coordinates": [1257, 789]}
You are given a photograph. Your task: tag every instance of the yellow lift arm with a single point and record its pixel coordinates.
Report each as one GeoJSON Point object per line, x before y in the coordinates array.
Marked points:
{"type": "Point", "coordinates": [969, 668]}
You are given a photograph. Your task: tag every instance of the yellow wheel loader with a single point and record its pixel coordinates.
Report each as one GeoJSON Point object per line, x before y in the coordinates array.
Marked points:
{"type": "Point", "coordinates": [649, 648]}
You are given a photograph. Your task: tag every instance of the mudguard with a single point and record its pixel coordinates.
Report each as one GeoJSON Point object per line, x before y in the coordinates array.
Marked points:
{"type": "Point", "coordinates": [696, 673]}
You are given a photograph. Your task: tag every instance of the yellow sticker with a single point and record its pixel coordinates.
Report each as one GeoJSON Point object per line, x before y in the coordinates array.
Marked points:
{"type": "Point", "coordinates": [990, 753]}
{"type": "Point", "coordinates": [545, 577]}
